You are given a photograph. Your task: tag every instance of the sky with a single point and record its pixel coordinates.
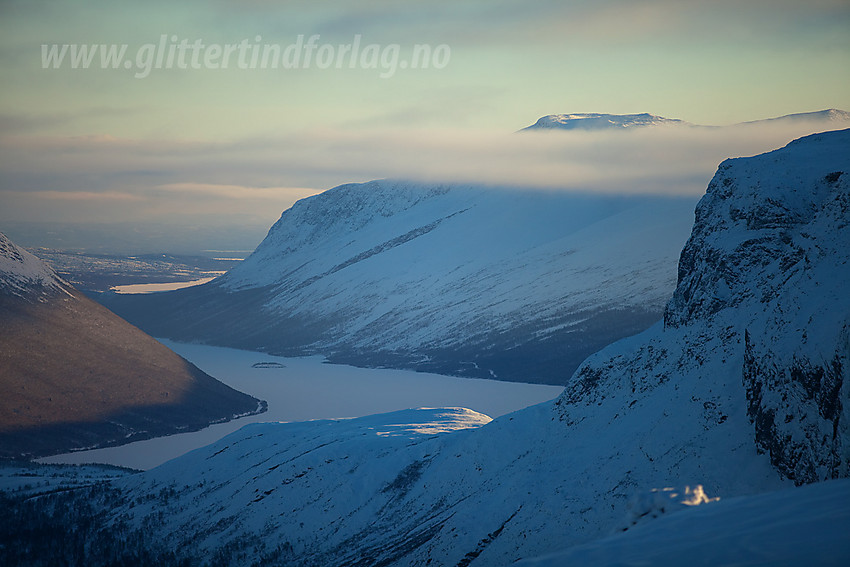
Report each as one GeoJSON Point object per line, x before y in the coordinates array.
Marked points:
{"type": "Point", "coordinates": [315, 94]}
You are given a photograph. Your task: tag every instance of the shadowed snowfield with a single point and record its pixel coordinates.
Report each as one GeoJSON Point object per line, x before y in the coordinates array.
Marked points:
{"type": "Point", "coordinates": [798, 526]}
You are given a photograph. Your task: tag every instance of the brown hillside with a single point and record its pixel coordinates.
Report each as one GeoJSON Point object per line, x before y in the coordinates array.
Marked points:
{"type": "Point", "coordinates": [73, 375]}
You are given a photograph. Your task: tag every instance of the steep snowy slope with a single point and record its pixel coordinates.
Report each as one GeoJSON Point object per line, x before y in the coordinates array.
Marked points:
{"type": "Point", "coordinates": [492, 283]}
{"type": "Point", "coordinates": [74, 375]}
{"type": "Point", "coordinates": [708, 398]}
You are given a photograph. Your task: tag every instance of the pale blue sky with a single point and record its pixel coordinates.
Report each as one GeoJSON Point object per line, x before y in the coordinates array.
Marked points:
{"type": "Point", "coordinates": [713, 62]}
{"type": "Point", "coordinates": [142, 140]}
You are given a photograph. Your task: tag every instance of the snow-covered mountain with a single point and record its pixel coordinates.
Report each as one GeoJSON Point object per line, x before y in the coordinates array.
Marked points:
{"type": "Point", "coordinates": [74, 375]}
{"type": "Point", "coordinates": [597, 121]}
{"type": "Point", "coordinates": [825, 119]}
{"type": "Point", "coordinates": [742, 389]}
{"type": "Point", "coordinates": [831, 117]}
{"type": "Point", "coordinates": [778, 282]}
{"type": "Point", "coordinates": [511, 284]}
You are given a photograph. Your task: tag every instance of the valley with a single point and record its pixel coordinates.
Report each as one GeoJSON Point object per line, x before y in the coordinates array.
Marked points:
{"type": "Point", "coordinates": [730, 408]}
{"type": "Point", "coordinates": [303, 389]}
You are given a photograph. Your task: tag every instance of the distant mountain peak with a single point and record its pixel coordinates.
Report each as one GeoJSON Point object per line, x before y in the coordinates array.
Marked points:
{"type": "Point", "coordinates": [833, 114]}
{"type": "Point", "coordinates": [828, 115]}
{"type": "Point", "coordinates": [600, 121]}
{"type": "Point", "coordinates": [595, 121]}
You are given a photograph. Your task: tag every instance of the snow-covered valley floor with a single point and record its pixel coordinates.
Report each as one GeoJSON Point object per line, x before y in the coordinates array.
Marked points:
{"type": "Point", "coordinates": [307, 388]}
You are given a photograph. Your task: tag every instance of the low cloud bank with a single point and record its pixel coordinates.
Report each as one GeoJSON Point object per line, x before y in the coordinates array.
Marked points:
{"type": "Point", "coordinates": [88, 179]}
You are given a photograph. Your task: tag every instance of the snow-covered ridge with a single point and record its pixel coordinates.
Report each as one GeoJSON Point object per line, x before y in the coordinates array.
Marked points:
{"type": "Point", "coordinates": [751, 226]}
{"type": "Point", "coordinates": [830, 115]}
{"type": "Point", "coordinates": [21, 273]}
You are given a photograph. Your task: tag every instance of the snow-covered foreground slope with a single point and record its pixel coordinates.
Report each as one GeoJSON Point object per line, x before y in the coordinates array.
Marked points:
{"type": "Point", "coordinates": [786, 528]}
{"type": "Point", "coordinates": [347, 493]}
{"type": "Point", "coordinates": [312, 489]}
{"type": "Point", "coordinates": [472, 281]}
{"type": "Point", "coordinates": [741, 390]}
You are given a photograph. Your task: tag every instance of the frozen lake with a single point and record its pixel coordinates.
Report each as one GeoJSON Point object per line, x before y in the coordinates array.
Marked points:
{"type": "Point", "coordinates": [157, 287]}
{"type": "Point", "coordinates": [307, 388]}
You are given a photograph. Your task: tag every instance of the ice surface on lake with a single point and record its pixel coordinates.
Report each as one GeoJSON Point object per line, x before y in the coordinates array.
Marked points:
{"type": "Point", "coordinates": [155, 287]}
{"type": "Point", "coordinates": [307, 388]}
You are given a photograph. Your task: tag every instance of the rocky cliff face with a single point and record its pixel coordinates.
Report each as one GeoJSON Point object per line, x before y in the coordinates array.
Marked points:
{"type": "Point", "coordinates": [761, 299]}
{"type": "Point", "coordinates": [769, 250]}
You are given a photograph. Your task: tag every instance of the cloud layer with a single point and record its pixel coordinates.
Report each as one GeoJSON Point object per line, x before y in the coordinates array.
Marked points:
{"type": "Point", "coordinates": [88, 179]}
